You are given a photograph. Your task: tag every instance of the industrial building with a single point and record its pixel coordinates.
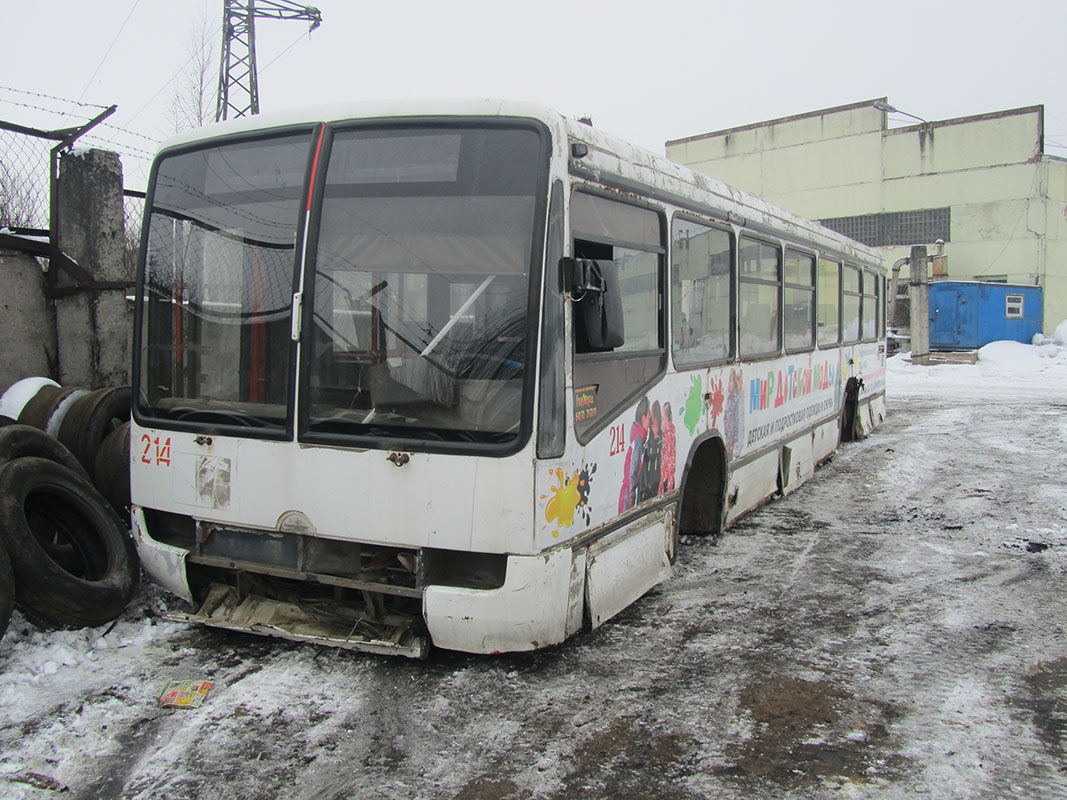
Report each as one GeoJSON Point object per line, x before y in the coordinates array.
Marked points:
{"type": "Point", "coordinates": [980, 190]}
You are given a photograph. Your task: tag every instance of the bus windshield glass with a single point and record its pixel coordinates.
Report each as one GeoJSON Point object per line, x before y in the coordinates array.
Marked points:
{"type": "Point", "coordinates": [422, 283]}
{"type": "Point", "coordinates": [218, 283]}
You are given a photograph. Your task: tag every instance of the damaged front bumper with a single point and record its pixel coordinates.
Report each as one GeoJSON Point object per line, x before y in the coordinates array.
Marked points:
{"type": "Point", "coordinates": [311, 589]}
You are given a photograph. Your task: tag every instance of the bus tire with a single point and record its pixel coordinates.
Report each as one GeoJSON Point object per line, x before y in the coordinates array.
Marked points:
{"type": "Point", "coordinates": [74, 564]}
{"type": "Point", "coordinates": [91, 419]}
{"type": "Point", "coordinates": [7, 591]}
{"type": "Point", "coordinates": [18, 441]}
{"type": "Point", "coordinates": [112, 469]}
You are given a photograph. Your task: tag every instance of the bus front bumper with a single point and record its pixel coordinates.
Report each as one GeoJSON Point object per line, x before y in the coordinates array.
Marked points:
{"type": "Point", "coordinates": [540, 603]}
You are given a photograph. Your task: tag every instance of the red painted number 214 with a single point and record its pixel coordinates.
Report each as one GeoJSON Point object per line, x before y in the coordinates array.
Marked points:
{"type": "Point", "coordinates": [162, 451]}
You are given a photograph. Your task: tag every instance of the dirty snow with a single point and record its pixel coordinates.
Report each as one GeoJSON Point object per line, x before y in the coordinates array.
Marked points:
{"type": "Point", "coordinates": [893, 629]}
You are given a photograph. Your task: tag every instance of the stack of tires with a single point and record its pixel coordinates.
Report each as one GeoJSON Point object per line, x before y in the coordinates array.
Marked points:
{"type": "Point", "coordinates": [66, 556]}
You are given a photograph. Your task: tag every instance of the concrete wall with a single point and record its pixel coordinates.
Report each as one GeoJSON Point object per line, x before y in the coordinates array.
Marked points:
{"type": "Point", "coordinates": [1007, 201]}
{"type": "Point", "coordinates": [27, 320]}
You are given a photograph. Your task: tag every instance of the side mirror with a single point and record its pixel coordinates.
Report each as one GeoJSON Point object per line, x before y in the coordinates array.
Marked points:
{"type": "Point", "coordinates": [594, 287]}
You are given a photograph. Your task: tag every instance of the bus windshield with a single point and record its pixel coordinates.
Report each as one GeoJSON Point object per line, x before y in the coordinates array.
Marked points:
{"type": "Point", "coordinates": [422, 283]}
{"type": "Point", "coordinates": [218, 283]}
{"type": "Point", "coordinates": [417, 285]}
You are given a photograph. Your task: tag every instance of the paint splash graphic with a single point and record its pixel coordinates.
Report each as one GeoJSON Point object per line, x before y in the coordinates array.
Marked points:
{"type": "Point", "coordinates": [694, 406]}
{"type": "Point", "coordinates": [717, 400]}
{"type": "Point", "coordinates": [569, 497]}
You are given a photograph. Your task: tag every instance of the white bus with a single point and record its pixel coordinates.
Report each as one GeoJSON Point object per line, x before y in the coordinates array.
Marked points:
{"type": "Point", "coordinates": [460, 373]}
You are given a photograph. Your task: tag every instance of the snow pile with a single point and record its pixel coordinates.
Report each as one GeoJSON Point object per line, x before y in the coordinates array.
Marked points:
{"type": "Point", "coordinates": [1004, 370]}
{"type": "Point", "coordinates": [1059, 336]}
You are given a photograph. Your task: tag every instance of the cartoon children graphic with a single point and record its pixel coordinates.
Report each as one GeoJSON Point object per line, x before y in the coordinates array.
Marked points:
{"type": "Point", "coordinates": [666, 479]}
{"type": "Point", "coordinates": [734, 419]}
{"type": "Point", "coordinates": [653, 455]}
{"type": "Point", "coordinates": [632, 471]}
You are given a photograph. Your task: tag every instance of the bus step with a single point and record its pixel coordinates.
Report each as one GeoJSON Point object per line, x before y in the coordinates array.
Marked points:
{"type": "Point", "coordinates": [224, 608]}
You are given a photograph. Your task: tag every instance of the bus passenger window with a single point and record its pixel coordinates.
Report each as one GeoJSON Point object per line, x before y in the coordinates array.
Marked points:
{"type": "Point", "coordinates": [829, 302]}
{"type": "Point", "coordinates": [799, 301]}
{"type": "Point", "coordinates": [701, 305]}
{"type": "Point", "coordinates": [869, 313]}
{"type": "Point", "coordinates": [631, 237]}
{"type": "Point", "coordinates": [851, 294]}
{"type": "Point", "coordinates": [760, 269]}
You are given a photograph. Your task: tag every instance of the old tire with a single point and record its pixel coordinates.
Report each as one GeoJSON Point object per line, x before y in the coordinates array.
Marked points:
{"type": "Point", "coordinates": [40, 408]}
{"type": "Point", "coordinates": [19, 441]}
{"type": "Point", "coordinates": [7, 590]}
{"type": "Point", "coordinates": [91, 419]}
{"type": "Point", "coordinates": [112, 469]}
{"type": "Point", "coordinates": [74, 564]}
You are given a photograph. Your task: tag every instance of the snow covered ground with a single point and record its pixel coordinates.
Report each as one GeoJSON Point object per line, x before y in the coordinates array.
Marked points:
{"type": "Point", "coordinates": [893, 629]}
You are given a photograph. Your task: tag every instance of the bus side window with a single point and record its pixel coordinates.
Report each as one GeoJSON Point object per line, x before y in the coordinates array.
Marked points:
{"type": "Point", "coordinates": [829, 302]}
{"type": "Point", "coordinates": [701, 293]}
{"type": "Point", "coordinates": [799, 301]}
{"type": "Point", "coordinates": [631, 237]}
{"type": "Point", "coordinates": [852, 294]}
{"type": "Point", "coordinates": [869, 312]}
{"type": "Point", "coordinates": [760, 267]}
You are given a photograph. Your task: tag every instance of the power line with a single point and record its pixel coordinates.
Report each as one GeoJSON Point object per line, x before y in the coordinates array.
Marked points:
{"type": "Point", "coordinates": [109, 48]}
{"type": "Point", "coordinates": [282, 53]}
{"type": "Point", "coordinates": [172, 78]}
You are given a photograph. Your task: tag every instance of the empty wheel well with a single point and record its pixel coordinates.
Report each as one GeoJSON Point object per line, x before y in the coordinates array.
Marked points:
{"type": "Point", "coordinates": [702, 508]}
{"type": "Point", "coordinates": [849, 412]}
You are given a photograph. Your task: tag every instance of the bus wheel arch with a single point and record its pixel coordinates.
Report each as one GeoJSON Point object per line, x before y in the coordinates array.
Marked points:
{"type": "Point", "coordinates": [702, 503]}
{"type": "Point", "coordinates": [850, 428]}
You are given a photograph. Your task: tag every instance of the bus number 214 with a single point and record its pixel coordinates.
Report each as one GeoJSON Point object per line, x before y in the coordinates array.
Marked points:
{"type": "Point", "coordinates": [618, 439]}
{"type": "Point", "coordinates": [162, 452]}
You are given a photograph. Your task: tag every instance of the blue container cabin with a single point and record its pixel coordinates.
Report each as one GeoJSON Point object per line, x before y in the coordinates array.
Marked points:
{"type": "Point", "coordinates": [966, 315]}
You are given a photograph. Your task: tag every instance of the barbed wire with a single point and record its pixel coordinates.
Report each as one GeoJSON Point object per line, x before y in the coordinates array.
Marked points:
{"type": "Point", "coordinates": [52, 97]}
{"type": "Point", "coordinates": [60, 114]}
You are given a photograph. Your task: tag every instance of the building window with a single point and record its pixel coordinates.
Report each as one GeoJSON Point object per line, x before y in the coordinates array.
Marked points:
{"type": "Point", "coordinates": [896, 227]}
{"type": "Point", "coordinates": [701, 305]}
{"type": "Point", "coordinates": [1013, 306]}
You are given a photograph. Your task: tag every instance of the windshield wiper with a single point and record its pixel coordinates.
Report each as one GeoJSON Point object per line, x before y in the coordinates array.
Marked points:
{"type": "Point", "coordinates": [457, 316]}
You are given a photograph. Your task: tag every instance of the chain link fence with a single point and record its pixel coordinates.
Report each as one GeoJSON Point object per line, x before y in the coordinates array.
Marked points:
{"type": "Point", "coordinates": [133, 216]}
{"type": "Point", "coordinates": [26, 185]}
{"type": "Point", "coordinates": [25, 179]}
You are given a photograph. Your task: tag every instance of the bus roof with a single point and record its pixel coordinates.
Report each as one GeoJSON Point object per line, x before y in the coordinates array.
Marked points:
{"type": "Point", "coordinates": [610, 160]}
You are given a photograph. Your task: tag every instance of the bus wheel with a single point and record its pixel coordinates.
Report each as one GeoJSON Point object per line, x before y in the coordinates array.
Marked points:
{"type": "Point", "coordinates": [74, 564]}
{"type": "Point", "coordinates": [18, 441]}
{"type": "Point", "coordinates": [702, 505]}
{"type": "Point", "coordinates": [7, 590]}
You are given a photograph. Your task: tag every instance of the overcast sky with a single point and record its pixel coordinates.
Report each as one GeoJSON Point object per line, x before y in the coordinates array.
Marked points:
{"type": "Point", "coordinates": [649, 71]}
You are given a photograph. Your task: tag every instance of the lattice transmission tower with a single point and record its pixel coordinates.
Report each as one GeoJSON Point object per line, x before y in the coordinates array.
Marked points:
{"type": "Point", "coordinates": [238, 84]}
